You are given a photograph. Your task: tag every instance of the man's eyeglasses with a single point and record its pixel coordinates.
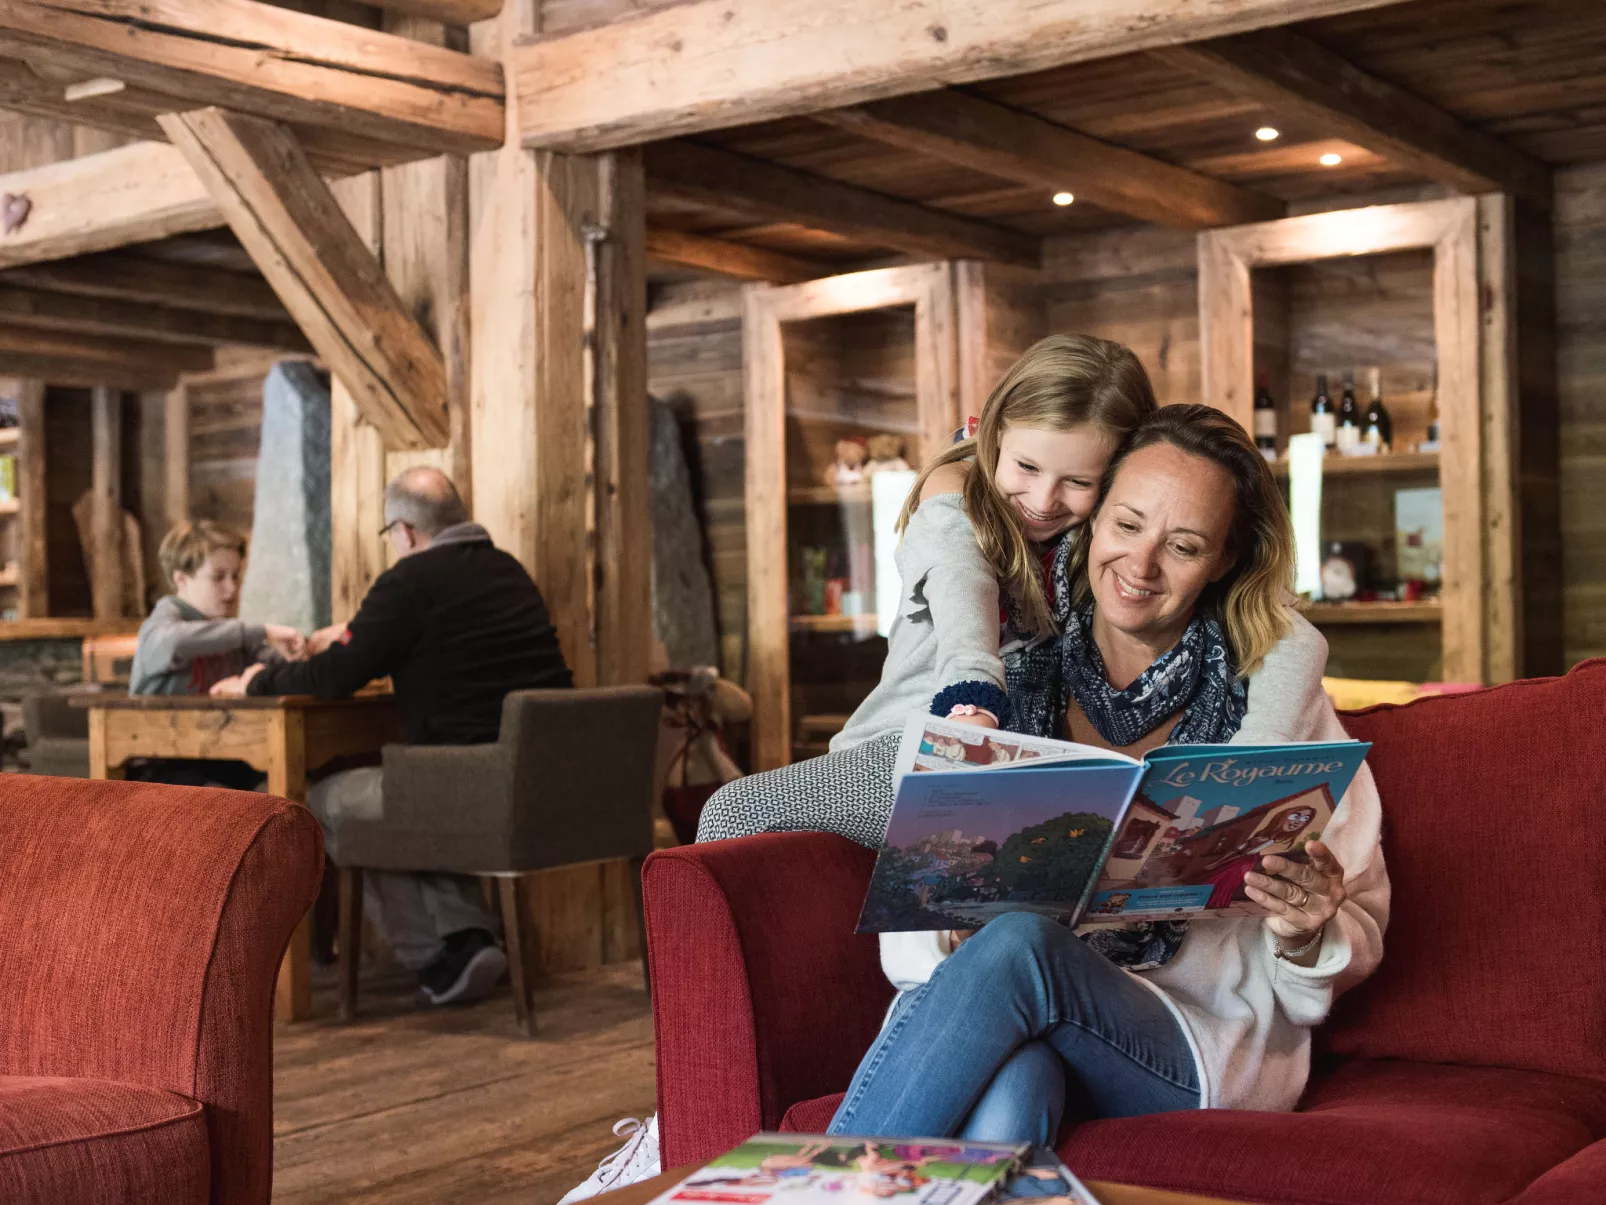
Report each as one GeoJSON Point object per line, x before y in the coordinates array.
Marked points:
{"type": "Point", "coordinates": [385, 530]}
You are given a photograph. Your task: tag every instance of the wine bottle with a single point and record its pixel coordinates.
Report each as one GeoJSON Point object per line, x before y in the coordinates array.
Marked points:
{"type": "Point", "coordinates": [1323, 420]}
{"type": "Point", "coordinates": [1265, 419]}
{"type": "Point", "coordinates": [1349, 417]}
{"type": "Point", "coordinates": [1379, 428]}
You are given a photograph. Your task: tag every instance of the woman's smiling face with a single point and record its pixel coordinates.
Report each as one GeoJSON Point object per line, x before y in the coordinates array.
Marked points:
{"type": "Point", "coordinates": [1051, 478]}
{"type": "Point", "coordinates": [1158, 540]}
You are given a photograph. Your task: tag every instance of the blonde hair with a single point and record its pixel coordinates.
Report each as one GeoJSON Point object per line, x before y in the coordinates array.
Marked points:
{"type": "Point", "coordinates": [1249, 599]}
{"type": "Point", "coordinates": [1063, 381]}
{"type": "Point", "coordinates": [185, 548]}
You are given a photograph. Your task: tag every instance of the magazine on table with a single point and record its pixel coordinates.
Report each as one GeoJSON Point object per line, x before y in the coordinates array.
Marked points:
{"type": "Point", "coordinates": [987, 822]}
{"type": "Point", "coordinates": [815, 1169]}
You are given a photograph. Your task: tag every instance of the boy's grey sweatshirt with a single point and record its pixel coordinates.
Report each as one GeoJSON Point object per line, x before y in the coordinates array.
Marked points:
{"type": "Point", "coordinates": [182, 652]}
{"type": "Point", "coordinates": [948, 626]}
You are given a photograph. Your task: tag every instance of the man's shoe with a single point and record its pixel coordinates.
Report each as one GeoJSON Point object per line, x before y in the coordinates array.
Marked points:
{"type": "Point", "coordinates": [467, 971]}
{"type": "Point", "coordinates": [636, 1160]}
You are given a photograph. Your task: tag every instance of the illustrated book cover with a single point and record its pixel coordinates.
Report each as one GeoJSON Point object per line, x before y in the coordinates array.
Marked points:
{"type": "Point", "coordinates": [987, 822]}
{"type": "Point", "coordinates": [814, 1169]}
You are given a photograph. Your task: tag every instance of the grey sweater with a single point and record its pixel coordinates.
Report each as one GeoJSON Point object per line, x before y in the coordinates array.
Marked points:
{"type": "Point", "coordinates": [182, 652]}
{"type": "Point", "coordinates": [948, 626]}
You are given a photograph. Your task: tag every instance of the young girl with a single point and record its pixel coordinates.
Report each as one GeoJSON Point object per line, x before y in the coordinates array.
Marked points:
{"type": "Point", "coordinates": [980, 531]}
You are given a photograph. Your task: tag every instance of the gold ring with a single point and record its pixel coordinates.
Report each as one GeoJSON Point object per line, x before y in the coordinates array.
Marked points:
{"type": "Point", "coordinates": [1304, 897]}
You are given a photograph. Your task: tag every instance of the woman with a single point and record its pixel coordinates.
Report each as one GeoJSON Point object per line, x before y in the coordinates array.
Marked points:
{"type": "Point", "coordinates": [1176, 596]}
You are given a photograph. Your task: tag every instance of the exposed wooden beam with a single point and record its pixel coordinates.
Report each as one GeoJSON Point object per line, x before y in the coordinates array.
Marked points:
{"type": "Point", "coordinates": [271, 62]}
{"type": "Point", "coordinates": [1023, 147]}
{"type": "Point", "coordinates": [708, 64]}
{"type": "Point", "coordinates": [135, 278]}
{"type": "Point", "coordinates": [290, 223]}
{"type": "Point", "coordinates": [1293, 74]}
{"type": "Point", "coordinates": [33, 581]}
{"type": "Point", "coordinates": [770, 192]}
{"type": "Point", "coordinates": [85, 360]}
{"type": "Point", "coordinates": [449, 12]}
{"type": "Point", "coordinates": [140, 192]}
{"type": "Point", "coordinates": [39, 310]}
{"type": "Point", "coordinates": [739, 260]}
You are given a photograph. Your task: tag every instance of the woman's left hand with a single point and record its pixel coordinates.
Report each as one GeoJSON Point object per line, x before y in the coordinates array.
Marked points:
{"type": "Point", "coordinates": [1300, 896]}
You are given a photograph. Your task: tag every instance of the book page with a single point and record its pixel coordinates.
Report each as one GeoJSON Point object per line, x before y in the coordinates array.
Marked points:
{"type": "Point", "coordinates": [815, 1169]}
{"type": "Point", "coordinates": [1203, 818]}
{"type": "Point", "coordinates": [931, 744]}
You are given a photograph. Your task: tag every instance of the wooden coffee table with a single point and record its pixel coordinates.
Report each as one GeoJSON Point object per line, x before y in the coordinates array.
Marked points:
{"type": "Point", "coordinates": [1108, 1194]}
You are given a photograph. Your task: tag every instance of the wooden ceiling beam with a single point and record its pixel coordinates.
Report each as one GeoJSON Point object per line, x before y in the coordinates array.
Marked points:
{"type": "Point", "coordinates": [1290, 74]}
{"type": "Point", "coordinates": [271, 62]}
{"type": "Point", "coordinates": [739, 260]}
{"type": "Point", "coordinates": [710, 64]}
{"type": "Point", "coordinates": [97, 358]}
{"type": "Point", "coordinates": [39, 310]}
{"type": "Point", "coordinates": [132, 194]}
{"type": "Point", "coordinates": [1012, 145]}
{"type": "Point", "coordinates": [122, 277]}
{"type": "Point", "coordinates": [294, 229]}
{"type": "Point", "coordinates": [769, 192]}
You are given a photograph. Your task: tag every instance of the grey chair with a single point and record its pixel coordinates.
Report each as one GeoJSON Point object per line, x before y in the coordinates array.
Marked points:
{"type": "Point", "coordinates": [58, 736]}
{"type": "Point", "coordinates": [569, 780]}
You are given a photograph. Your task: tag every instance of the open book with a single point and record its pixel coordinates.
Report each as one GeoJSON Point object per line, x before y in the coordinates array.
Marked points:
{"type": "Point", "coordinates": [987, 822]}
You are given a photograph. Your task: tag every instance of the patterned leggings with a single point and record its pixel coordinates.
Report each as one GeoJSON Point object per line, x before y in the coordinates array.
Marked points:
{"type": "Point", "coordinates": [847, 792]}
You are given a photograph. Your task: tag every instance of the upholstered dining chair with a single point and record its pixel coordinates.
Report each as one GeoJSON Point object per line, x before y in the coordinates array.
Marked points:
{"type": "Point", "coordinates": [569, 780]}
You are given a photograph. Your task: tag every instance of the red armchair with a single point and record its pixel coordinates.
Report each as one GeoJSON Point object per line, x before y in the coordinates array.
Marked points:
{"type": "Point", "coordinates": [141, 928]}
{"type": "Point", "coordinates": [1470, 1069]}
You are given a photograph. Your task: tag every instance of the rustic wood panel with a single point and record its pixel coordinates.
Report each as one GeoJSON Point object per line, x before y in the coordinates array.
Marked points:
{"type": "Point", "coordinates": [33, 554]}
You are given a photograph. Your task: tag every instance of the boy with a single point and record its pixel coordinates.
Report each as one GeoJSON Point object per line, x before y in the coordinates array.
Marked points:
{"type": "Point", "coordinates": [191, 638]}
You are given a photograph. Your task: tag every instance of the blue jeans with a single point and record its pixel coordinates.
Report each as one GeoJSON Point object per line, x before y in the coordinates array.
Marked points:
{"type": "Point", "coordinates": [1021, 1017]}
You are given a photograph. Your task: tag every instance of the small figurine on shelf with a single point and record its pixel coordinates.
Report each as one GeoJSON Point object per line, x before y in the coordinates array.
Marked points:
{"type": "Point", "coordinates": [886, 455]}
{"type": "Point", "coordinates": [848, 468]}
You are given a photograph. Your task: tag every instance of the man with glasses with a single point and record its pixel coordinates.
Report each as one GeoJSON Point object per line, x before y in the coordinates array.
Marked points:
{"type": "Point", "coordinates": [456, 624]}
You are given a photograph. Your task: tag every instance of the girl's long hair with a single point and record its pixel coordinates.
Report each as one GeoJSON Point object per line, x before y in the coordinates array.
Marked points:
{"type": "Point", "coordinates": [1249, 599]}
{"type": "Point", "coordinates": [1063, 381]}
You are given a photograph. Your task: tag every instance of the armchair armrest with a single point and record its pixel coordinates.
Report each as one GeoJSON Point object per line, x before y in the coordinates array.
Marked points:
{"type": "Point", "coordinates": [1575, 1179]}
{"type": "Point", "coordinates": [762, 994]}
{"type": "Point", "coordinates": [141, 928]}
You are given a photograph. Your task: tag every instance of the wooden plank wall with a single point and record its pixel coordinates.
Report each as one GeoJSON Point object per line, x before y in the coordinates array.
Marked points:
{"type": "Point", "coordinates": [1580, 241]}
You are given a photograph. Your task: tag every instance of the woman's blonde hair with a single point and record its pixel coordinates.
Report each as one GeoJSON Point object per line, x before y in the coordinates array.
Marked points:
{"type": "Point", "coordinates": [1249, 599]}
{"type": "Point", "coordinates": [1063, 381]}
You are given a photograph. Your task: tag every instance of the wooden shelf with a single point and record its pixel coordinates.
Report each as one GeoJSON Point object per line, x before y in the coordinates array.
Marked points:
{"type": "Point", "coordinates": [65, 629]}
{"type": "Point", "coordinates": [830, 495]}
{"type": "Point", "coordinates": [1334, 465]}
{"type": "Point", "coordinates": [9, 437]}
{"type": "Point", "coordinates": [1426, 611]}
{"type": "Point", "coordinates": [9, 506]}
{"type": "Point", "coordinates": [9, 574]}
{"type": "Point", "coordinates": [860, 625]}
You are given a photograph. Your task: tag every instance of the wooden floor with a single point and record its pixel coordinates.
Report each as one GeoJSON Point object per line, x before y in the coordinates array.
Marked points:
{"type": "Point", "coordinates": [454, 1106]}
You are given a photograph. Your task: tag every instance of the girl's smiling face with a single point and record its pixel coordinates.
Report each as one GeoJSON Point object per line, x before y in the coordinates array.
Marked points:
{"type": "Point", "coordinates": [1051, 478]}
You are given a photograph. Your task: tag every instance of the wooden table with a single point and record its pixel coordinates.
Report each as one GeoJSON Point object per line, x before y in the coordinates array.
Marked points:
{"type": "Point", "coordinates": [285, 737]}
{"type": "Point", "coordinates": [1108, 1194]}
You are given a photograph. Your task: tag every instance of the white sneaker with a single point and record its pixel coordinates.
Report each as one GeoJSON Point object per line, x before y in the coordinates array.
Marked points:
{"type": "Point", "coordinates": [636, 1160]}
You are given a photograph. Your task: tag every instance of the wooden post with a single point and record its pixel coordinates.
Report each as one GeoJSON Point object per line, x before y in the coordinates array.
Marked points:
{"type": "Point", "coordinates": [287, 778]}
{"type": "Point", "coordinates": [106, 520]}
{"type": "Point", "coordinates": [176, 455]}
{"type": "Point", "coordinates": [33, 582]}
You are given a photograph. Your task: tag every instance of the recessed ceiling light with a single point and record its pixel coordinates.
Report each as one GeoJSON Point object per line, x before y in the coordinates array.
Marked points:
{"type": "Point", "coordinates": [1267, 133]}
{"type": "Point", "coordinates": [1063, 198]}
{"type": "Point", "coordinates": [1331, 159]}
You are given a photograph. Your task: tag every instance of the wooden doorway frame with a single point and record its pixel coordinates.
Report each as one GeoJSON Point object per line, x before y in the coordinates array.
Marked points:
{"type": "Point", "coordinates": [1469, 238]}
{"type": "Point", "coordinates": [929, 288]}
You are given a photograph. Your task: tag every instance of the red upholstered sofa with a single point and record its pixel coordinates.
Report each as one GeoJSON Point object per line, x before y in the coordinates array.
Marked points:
{"type": "Point", "coordinates": [141, 928]}
{"type": "Point", "coordinates": [1470, 1069]}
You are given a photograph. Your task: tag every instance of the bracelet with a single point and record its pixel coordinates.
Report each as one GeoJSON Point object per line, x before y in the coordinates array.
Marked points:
{"type": "Point", "coordinates": [970, 709]}
{"type": "Point", "coordinates": [1289, 955]}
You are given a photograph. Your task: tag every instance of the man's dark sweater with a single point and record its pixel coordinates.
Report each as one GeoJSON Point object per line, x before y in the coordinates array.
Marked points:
{"type": "Point", "coordinates": [456, 625]}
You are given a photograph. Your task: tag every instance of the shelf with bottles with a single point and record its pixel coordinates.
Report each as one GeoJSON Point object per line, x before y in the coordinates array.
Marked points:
{"type": "Point", "coordinates": [1376, 435]}
{"type": "Point", "coordinates": [1400, 463]}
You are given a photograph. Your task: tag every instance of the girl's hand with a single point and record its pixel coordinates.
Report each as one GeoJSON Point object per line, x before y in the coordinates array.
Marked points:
{"type": "Point", "coordinates": [976, 721]}
{"type": "Point", "coordinates": [1301, 896]}
{"type": "Point", "coordinates": [286, 641]}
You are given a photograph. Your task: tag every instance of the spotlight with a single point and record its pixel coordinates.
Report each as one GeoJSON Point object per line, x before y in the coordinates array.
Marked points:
{"type": "Point", "coordinates": [1267, 133]}
{"type": "Point", "coordinates": [1063, 198]}
{"type": "Point", "coordinates": [1331, 159]}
